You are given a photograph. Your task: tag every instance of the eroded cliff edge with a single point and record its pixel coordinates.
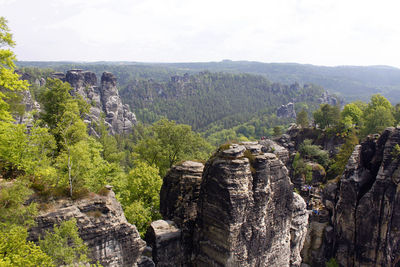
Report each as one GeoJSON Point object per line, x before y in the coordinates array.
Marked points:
{"type": "Point", "coordinates": [102, 225]}
{"type": "Point", "coordinates": [366, 216]}
{"type": "Point", "coordinates": [246, 215]}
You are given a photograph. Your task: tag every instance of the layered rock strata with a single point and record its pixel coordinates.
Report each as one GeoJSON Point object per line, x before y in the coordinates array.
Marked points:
{"type": "Point", "coordinates": [102, 225]}
{"type": "Point", "coordinates": [102, 99]}
{"type": "Point", "coordinates": [178, 202]}
{"type": "Point", "coordinates": [367, 218]}
{"type": "Point", "coordinates": [245, 212]}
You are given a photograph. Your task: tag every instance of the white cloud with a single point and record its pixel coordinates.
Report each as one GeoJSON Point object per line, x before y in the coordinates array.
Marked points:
{"type": "Point", "coordinates": [328, 32]}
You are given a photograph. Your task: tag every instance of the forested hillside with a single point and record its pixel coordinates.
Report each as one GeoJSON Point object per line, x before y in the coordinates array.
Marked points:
{"type": "Point", "coordinates": [221, 99]}
{"type": "Point", "coordinates": [351, 82]}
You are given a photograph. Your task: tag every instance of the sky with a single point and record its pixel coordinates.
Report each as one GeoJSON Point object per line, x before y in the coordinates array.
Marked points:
{"type": "Point", "coordinates": [319, 32]}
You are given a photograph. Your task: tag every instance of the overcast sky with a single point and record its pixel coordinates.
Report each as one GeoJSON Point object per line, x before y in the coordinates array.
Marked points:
{"type": "Point", "coordinates": [321, 32]}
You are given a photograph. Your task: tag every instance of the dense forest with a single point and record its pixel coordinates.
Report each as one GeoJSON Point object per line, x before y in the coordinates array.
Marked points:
{"type": "Point", "coordinates": [215, 99]}
{"type": "Point", "coordinates": [350, 82]}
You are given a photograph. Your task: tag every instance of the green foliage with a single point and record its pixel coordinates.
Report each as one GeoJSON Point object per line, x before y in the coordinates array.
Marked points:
{"type": "Point", "coordinates": [15, 218]}
{"type": "Point", "coordinates": [332, 263]}
{"type": "Point", "coordinates": [139, 194]}
{"type": "Point", "coordinates": [377, 115]}
{"type": "Point", "coordinates": [168, 143]}
{"type": "Point", "coordinates": [302, 118]}
{"type": "Point", "coordinates": [352, 114]}
{"type": "Point", "coordinates": [313, 153]}
{"type": "Point", "coordinates": [13, 210]}
{"type": "Point", "coordinates": [64, 245]}
{"type": "Point", "coordinates": [16, 251]}
{"type": "Point", "coordinates": [339, 163]}
{"type": "Point", "coordinates": [278, 130]}
{"type": "Point", "coordinates": [141, 216]}
{"type": "Point", "coordinates": [301, 168]}
{"type": "Point", "coordinates": [206, 100]}
{"type": "Point", "coordinates": [396, 151]}
{"type": "Point", "coordinates": [327, 116]}
{"type": "Point", "coordinates": [62, 113]}
{"type": "Point", "coordinates": [9, 80]}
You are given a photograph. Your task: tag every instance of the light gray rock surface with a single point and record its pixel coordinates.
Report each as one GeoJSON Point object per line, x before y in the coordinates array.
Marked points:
{"type": "Point", "coordinates": [247, 213]}
{"type": "Point", "coordinates": [102, 99]}
{"type": "Point", "coordinates": [102, 225]}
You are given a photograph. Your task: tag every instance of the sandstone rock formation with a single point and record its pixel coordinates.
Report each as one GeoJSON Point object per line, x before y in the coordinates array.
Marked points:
{"type": "Point", "coordinates": [286, 111]}
{"type": "Point", "coordinates": [367, 218]}
{"type": "Point", "coordinates": [165, 239]}
{"type": "Point", "coordinates": [178, 202]}
{"type": "Point", "coordinates": [247, 213]}
{"type": "Point", "coordinates": [102, 225]}
{"type": "Point", "coordinates": [103, 99]}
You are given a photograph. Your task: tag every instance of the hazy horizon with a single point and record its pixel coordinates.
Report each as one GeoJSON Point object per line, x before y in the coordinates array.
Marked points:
{"type": "Point", "coordinates": [328, 33]}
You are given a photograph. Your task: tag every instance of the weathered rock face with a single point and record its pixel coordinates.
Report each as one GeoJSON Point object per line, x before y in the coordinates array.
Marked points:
{"type": "Point", "coordinates": [326, 98]}
{"type": "Point", "coordinates": [178, 202]}
{"type": "Point", "coordinates": [180, 192]}
{"type": "Point", "coordinates": [102, 225]}
{"type": "Point", "coordinates": [165, 239]}
{"type": "Point", "coordinates": [270, 146]}
{"type": "Point", "coordinates": [245, 213]}
{"type": "Point", "coordinates": [286, 111]}
{"type": "Point", "coordinates": [367, 218]}
{"type": "Point", "coordinates": [102, 99]}
{"type": "Point", "coordinates": [231, 214]}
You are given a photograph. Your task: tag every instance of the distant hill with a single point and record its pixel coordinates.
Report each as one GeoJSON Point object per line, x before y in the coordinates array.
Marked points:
{"type": "Point", "coordinates": [351, 82]}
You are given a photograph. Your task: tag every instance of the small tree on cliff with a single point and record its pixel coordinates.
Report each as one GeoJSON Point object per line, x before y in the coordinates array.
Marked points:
{"type": "Point", "coordinates": [168, 143]}
{"type": "Point", "coordinates": [327, 116]}
{"type": "Point", "coordinates": [302, 118]}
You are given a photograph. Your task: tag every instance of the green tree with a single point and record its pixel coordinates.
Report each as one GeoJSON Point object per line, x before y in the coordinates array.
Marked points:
{"type": "Point", "coordinates": [327, 116]}
{"type": "Point", "coordinates": [302, 118]}
{"type": "Point", "coordinates": [64, 245]}
{"type": "Point", "coordinates": [342, 157]}
{"type": "Point", "coordinates": [354, 112]}
{"type": "Point", "coordinates": [9, 80]}
{"type": "Point", "coordinates": [16, 251]}
{"type": "Point", "coordinates": [378, 115]}
{"type": "Point", "coordinates": [169, 143]}
{"type": "Point", "coordinates": [62, 113]}
{"type": "Point", "coordinates": [139, 194]}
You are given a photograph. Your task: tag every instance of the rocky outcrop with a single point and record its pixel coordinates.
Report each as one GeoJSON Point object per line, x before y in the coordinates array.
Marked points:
{"type": "Point", "coordinates": [326, 98]}
{"type": "Point", "coordinates": [367, 218]}
{"type": "Point", "coordinates": [118, 116]}
{"type": "Point", "coordinates": [286, 111]}
{"type": "Point", "coordinates": [178, 202]}
{"type": "Point", "coordinates": [102, 225]}
{"type": "Point", "coordinates": [165, 238]}
{"type": "Point", "coordinates": [102, 99]}
{"type": "Point", "coordinates": [239, 211]}
{"type": "Point", "coordinates": [270, 146]}
{"type": "Point", "coordinates": [245, 212]}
